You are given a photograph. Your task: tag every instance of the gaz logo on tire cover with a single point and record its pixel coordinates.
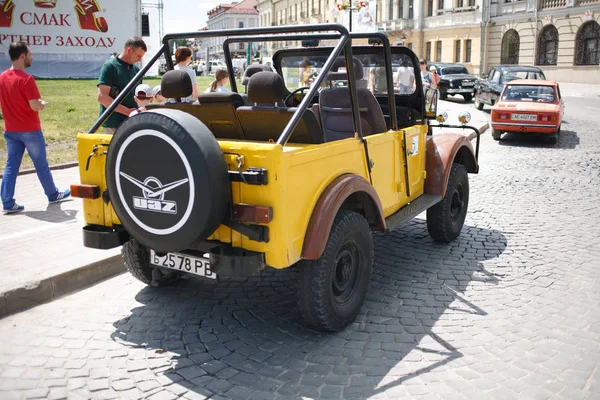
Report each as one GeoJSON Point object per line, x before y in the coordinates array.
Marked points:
{"type": "Point", "coordinates": [154, 182]}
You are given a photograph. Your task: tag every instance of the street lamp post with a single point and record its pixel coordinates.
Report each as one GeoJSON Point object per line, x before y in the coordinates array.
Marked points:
{"type": "Point", "coordinates": [348, 6]}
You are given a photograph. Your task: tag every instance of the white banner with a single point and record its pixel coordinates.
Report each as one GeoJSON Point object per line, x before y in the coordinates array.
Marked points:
{"type": "Point", "coordinates": [68, 26]}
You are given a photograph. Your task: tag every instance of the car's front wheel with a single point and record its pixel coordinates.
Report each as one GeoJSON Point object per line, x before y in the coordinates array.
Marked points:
{"type": "Point", "coordinates": [332, 289]}
{"type": "Point", "coordinates": [446, 219]}
{"type": "Point", "coordinates": [478, 103]}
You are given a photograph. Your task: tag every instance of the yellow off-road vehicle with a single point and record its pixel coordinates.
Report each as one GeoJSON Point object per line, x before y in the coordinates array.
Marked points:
{"type": "Point", "coordinates": [296, 170]}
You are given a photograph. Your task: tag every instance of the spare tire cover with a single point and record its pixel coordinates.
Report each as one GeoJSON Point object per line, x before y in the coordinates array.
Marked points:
{"type": "Point", "coordinates": [167, 179]}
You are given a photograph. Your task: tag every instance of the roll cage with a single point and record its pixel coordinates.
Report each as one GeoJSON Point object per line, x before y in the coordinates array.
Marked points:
{"type": "Point", "coordinates": [343, 48]}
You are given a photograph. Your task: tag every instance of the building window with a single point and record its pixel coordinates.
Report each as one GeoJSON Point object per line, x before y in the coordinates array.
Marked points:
{"type": "Point", "coordinates": [510, 47]}
{"type": "Point", "coordinates": [390, 10]}
{"type": "Point", "coordinates": [429, 8]}
{"type": "Point", "coordinates": [548, 46]}
{"type": "Point", "coordinates": [411, 9]}
{"type": "Point", "coordinates": [588, 44]}
{"type": "Point", "coordinates": [460, 3]}
{"type": "Point", "coordinates": [440, 4]}
{"type": "Point", "coordinates": [241, 46]}
{"type": "Point", "coordinates": [457, 51]}
{"type": "Point", "coordinates": [438, 51]}
{"type": "Point", "coordinates": [471, 3]}
{"type": "Point", "coordinates": [241, 24]}
{"type": "Point", "coordinates": [428, 51]}
{"type": "Point", "coordinates": [468, 50]}
{"type": "Point", "coordinates": [400, 8]}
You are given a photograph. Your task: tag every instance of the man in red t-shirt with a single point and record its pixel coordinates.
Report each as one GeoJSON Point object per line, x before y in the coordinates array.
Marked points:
{"type": "Point", "coordinates": [20, 101]}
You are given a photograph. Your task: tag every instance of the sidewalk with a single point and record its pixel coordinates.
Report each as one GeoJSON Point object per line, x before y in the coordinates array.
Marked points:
{"type": "Point", "coordinates": [41, 249]}
{"type": "Point", "coordinates": [579, 90]}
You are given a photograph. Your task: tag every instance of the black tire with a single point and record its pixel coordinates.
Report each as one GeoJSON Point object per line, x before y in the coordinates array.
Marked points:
{"type": "Point", "coordinates": [333, 288]}
{"type": "Point", "coordinates": [467, 97]}
{"type": "Point", "coordinates": [478, 103]}
{"type": "Point", "coordinates": [137, 261]}
{"type": "Point", "coordinates": [443, 95]}
{"type": "Point", "coordinates": [496, 134]}
{"type": "Point", "coordinates": [167, 179]}
{"type": "Point", "coordinates": [446, 219]}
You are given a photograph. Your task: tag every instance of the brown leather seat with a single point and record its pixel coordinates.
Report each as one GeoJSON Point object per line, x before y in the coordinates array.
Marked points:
{"type": "Point", "coordinates": [216, 110]}
{"type": "Point", "coordinates": [336, 113]}
{"type": "Point", "coordinates": [335, 108]}
{"type": "Point", "coordinates": [266, 121]}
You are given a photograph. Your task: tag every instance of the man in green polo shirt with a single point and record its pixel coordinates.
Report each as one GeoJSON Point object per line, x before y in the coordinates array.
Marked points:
{"type": "Point", "coordinates": [115, 74]}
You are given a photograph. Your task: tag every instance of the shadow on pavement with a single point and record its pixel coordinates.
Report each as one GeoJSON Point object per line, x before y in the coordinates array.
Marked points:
{"type": "Point", "coordinates": [54, 213]}
{"type": "Point", "coordinates": [458, 99]}
{"type": "Point", "coordinates": [245, 338]}
{"type": "Point", "coordinates": [567, 140]}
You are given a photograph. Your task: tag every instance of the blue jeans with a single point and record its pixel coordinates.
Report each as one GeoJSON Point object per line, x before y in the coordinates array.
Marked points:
{"type": "Point", "coordinates": [16, 143]}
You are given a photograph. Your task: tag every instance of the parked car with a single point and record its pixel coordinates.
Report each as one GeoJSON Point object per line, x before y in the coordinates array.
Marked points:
{"type": "Point", "coordinates": [529, 106]}
{"type": "Point", "coordinates": [212, 189]}
{"type": "Point", "coordinates": [489, 87]}
{"type": "Point", "coordinates": [455, 79]}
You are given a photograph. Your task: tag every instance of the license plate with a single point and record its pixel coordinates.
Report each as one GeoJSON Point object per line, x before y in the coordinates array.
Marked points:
{"type": "Point", "coordinates": [467, 84]}
{"type": "Point", "coordinates": [183, 262]}
{"type": "Point", "coordinates": [523, 117]}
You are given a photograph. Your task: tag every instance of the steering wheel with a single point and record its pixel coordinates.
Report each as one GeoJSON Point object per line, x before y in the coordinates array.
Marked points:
{"type": "Point", "coordinates": [294, 92]}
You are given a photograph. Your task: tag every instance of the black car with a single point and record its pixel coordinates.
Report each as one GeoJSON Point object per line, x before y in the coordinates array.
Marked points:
{"type": "Point", "coordinates": [489, 87]}
{"type": "Point", "coordinates": [455, 79]}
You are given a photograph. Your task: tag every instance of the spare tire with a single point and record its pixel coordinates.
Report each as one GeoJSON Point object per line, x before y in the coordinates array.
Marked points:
{"type": "Point", "coordinates": [167, 179]}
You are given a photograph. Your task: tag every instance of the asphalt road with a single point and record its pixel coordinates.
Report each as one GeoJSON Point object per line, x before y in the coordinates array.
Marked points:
{"type": "Point", "coordinates": [509, 310]}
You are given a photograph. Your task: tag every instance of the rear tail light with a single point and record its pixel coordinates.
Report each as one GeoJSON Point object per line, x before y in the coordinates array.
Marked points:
{"type": "Point", "coordinates": [497, 115]}
{"type": "Point", "coordinates": [85, 191]}
{"type": "Point", "coordinates": [253, 214]}
{"type": "Point", "coordinates": [546, 118]}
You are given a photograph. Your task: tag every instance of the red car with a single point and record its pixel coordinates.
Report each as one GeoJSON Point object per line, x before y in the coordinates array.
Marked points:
{"type": "Point", "coordinates": [530, 106]}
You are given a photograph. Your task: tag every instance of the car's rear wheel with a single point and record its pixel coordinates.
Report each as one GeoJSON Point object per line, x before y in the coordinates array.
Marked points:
{"type": "Point", "coordinates": [478, 103]}
{"type": "Point", "coordinates": [443, 95]}
{"type": "Point", "coordinates": [468, 97]}
{"type": "Point", "coordinates": [496, 134]}
{"type": "Point", "coordinates": [446, 219]}
{"type": "Point", "coordinates": [332, 289]}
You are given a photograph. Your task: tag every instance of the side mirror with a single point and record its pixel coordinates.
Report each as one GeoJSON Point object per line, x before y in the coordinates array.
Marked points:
{"type": "Point", "coordinates": [484, 76]}
{"type": "Point", "coordinates": [431, 102]}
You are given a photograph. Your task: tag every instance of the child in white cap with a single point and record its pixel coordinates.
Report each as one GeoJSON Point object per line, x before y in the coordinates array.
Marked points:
{"type": "Point", "coordinates": [158, 95]}
{"type": "Point", "coordinates": [144, 94]}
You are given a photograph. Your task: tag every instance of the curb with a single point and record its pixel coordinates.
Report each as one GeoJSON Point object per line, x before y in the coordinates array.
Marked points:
{"type": "Point", "coordinates": [35, 293]}
{"type": "Point", "coordinates": [482, 129]}
{"type": "Point", "coordinates": [52, 167]}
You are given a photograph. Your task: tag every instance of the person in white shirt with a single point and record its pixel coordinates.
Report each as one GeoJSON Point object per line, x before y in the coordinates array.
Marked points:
{"type": "Point", "coordinates": [183, 58]}
{"type": "Point", "coordinates": [221, 79]}
{"type": "Point", "coordinates": [405, 78]}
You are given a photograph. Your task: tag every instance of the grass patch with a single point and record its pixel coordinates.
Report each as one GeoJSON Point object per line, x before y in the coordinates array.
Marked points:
{"type": "Point", "coordinates": [72, 108]}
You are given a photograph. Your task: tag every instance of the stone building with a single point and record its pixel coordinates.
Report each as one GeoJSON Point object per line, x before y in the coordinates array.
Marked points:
{"type": "Point", "coordinates": [241, 14]}
{"type": "Point", "coordinates": [562, 37]}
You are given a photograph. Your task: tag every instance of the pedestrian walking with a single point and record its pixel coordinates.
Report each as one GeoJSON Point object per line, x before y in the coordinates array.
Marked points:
{"type": "Point", "coordinates": [115, 74]}
{"type": "Point", "coordinates": [21, 103]}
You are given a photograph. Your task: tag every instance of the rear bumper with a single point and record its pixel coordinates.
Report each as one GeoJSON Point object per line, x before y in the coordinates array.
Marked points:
{"type": "Point", "coordinates": [523, 127]}
{"type": "Point", "coordinates": [453, 91]}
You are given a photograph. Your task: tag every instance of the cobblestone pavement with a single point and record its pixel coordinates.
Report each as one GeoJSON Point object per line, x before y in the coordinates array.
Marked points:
{"type": "Point", "coordinates": [510, 310]}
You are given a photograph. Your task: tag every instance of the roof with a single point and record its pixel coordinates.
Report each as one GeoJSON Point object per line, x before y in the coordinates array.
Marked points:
{"type": "Point", "coordinates": [518, 67]}
{"type": "Point", "coordinates": [534, 82]}
{"type": "Point", "coordinates": [242, 7]}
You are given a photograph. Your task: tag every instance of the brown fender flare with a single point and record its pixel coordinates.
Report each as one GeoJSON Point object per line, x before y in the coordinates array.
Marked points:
{"type": "Point", "coordinates": [347, 191]}
{"type": "Point", "coordinates": [442, 151]}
